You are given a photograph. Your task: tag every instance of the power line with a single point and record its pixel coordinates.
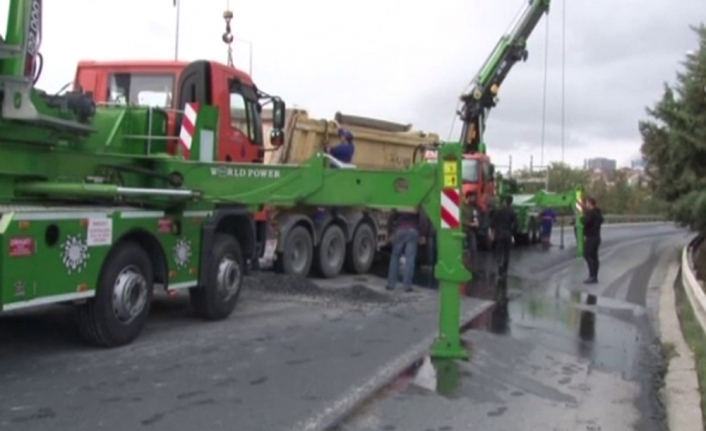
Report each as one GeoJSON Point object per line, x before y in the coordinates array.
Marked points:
{"type": "Point", "coordinates": [563, 79]}
{"type": "Point", "coordinates": [544, 91]}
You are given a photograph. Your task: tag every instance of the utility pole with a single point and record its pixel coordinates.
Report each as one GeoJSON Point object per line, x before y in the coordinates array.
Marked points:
{"type": "Point", "coordinates": [177, 5]}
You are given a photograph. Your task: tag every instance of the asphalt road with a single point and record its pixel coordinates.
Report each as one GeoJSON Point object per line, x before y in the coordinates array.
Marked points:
{"type": "Point", "coordinates": [293, 356]}
{"type": "Point", "coordinates": [553, 354]}
{"type": "Point", "coordinates": [296, 355]}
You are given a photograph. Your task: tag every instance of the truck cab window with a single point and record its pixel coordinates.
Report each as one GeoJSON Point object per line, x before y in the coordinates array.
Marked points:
{"type": "Point", "coordinates": [146, 89]}
{"type": "Point", "coordinates": [469, 171]}
{"type": "Point", "coordinates": [244, 112]}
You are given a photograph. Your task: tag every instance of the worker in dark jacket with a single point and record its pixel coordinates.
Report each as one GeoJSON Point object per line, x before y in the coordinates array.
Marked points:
{"type": "Point", "coordinates": [503, 224]}
{"type": "Point", "coordinates": [346, 149]}
{"type": "Point", "coordinates": [471, 226]}
{"type": "Point", "coordinates": [404, 224]}
{"type": "Point", "coordinates": [592, 221]}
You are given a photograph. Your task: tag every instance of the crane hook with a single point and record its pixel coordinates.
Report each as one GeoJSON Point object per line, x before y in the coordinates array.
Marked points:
{"type": "Point", "coordinates": [228, 37]}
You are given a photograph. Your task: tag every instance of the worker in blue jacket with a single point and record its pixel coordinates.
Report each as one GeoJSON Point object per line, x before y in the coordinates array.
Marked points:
{"type": "Point", "coordinates": [346, 149]}
{"type": "Point", "coordinates": [343, 152]}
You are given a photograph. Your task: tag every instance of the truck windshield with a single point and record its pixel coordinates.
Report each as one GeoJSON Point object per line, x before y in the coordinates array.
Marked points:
{"type": "Point", "coordinates": [147, 89]}
{"type": "Point", "coordinates": [470, 171]}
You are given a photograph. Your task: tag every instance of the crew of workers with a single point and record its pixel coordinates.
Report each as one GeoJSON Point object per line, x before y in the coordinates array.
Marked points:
{"type": "Point", "coordinates": [408, 226]}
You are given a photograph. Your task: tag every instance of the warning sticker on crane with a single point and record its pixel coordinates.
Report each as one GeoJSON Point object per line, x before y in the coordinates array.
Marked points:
{"type": "Point", "coordinates": [100, 232]}
{"type": "Point", "coordinates": [450, 174]}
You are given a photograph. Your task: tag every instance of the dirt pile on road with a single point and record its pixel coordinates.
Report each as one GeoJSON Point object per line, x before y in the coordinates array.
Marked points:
{"type": "Point", "coordinates": [300, 288]}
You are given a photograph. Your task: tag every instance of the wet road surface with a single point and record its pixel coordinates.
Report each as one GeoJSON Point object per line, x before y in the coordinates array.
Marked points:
{"type": "Point", "coordinates": [290, 360]}
{"type": "Point", "coordinates": [553, 353]}
{"type": "Point", "coordinates": [283, 359]}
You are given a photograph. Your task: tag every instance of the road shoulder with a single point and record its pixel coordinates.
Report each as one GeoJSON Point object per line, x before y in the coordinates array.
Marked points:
{"type": "Point", "coordinates": [681, 390]}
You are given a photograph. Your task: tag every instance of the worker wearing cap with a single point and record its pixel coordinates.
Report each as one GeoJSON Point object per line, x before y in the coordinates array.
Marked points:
{"type": "Point", "coordinates": [344, 151]}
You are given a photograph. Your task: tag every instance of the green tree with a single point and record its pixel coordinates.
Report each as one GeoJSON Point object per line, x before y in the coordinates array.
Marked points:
{"type": "Point", "coordinates": [674, 141]}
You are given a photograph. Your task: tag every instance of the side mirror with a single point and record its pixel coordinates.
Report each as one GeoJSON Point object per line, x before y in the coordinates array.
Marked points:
{"type": "Point", "coordinates": [278, 114]}
{"type": "Point", "coordinates": [491, 172]}
{"type": "Point", "coordinates": [276, 138]}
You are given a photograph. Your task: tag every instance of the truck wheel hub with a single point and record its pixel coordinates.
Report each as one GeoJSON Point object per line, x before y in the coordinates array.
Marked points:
{"type": "Point", "coordinates": [129, 294]}
{"type": "Point", "coordinates": [228, 280]}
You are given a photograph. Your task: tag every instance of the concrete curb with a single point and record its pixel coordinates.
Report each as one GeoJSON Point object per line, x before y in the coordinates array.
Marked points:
{"type": "Point", "coordinates": [350, 400]}
{"type": "Point", "coordinates": [681, 390]}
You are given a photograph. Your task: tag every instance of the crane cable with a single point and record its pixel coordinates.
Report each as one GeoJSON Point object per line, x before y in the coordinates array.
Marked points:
{"type": "Point", "coordinates": [228, 37]}
{"type": "Point", "coordinates": [563, 78]}
{"type": "Point", "coordinates": [544, 90]}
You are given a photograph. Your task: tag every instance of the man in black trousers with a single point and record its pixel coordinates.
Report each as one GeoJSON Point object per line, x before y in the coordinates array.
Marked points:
{"type": "Point", "coordinates": [592, 221]}
{"type": "Point", "coordinates": [503, 223]}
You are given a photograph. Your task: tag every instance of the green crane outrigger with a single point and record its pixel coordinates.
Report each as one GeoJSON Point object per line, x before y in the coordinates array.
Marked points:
{"type": "Point", "coordinates": [94, 212]}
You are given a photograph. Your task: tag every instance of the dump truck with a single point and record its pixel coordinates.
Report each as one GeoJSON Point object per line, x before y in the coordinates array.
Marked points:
{"type": "Point", "coordinates": [331, 241]}
{"type": "Point", "coordinates": [380, 145]}
{"type": "Point", "coordinates": [95, 197]}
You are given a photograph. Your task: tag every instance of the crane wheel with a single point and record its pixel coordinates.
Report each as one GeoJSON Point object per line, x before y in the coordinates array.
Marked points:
{"type": "Point", "coordinates": [360, 252]}
{"type": "Point", "coordinates": [297, 257]}
{"type": "Point", "coordinates": [330, 253]}
{"type": "Point", "coordinates": [119, 311]}
{"type": "Point", "coordinates": [217, 299]}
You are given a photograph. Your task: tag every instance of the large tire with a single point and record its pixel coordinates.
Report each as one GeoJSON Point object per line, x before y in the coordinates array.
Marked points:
{"type": "Point", "coordinates": [119, 311]}
{"type": "Point", "coordinates": [298, 253]}
{"type": "Point", "coordinates": [217, 299]}
{"type": "Point", "coordinates": [330, 253]}
{"type": "Point", "coordinates": [360, 252]}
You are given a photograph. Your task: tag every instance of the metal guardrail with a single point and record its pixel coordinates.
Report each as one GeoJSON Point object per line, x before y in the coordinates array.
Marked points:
{"type": "Point", "coordinates": [624, 218]}
{"type": "Point", "coordinates": [694, 288]}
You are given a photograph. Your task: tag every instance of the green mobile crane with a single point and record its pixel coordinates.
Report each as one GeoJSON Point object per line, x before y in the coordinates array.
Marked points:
{"type": "Point", "coordinates": [95, 212]}
{"type": "Point", "coordinates": [476, 106]}
{"type": "Point", "coordinates": [478, 171]}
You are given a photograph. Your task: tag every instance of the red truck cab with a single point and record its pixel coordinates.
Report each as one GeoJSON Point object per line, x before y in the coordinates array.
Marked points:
{"type": "Point", "coordinates": [171, 84]}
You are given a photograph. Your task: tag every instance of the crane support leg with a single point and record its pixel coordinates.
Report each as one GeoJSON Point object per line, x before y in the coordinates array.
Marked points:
{"type": "Point", "coordinates": [445, 212]}
{"type": "Point", "coordinates": [578, 211]}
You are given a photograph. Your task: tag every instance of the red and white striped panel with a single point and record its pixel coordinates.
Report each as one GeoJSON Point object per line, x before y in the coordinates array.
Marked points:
{"type": "Point", "coordinates": [450, 208]}
{"type": "Point", "coordinates": [188, 127]}
{"type": "Point", "coordinates": [579, 206]}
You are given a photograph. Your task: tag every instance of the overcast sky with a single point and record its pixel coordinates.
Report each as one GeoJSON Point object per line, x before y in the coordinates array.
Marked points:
{"type": "Point", "coordinates": [391, 60]}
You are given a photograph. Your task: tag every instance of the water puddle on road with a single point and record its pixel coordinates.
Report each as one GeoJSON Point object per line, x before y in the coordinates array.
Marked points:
{"type": "Point", "coordinates": [604, 332]}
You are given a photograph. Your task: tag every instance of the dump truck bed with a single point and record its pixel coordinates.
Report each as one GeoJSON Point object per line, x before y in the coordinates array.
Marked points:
{"type": "Point", "coordinates": [380, 144]}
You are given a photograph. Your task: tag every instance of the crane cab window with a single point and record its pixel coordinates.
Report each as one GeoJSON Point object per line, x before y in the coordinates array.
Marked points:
{"type": "Point", "coordinates": [469, 170]}
{"type": "Point", "coordinates": [145, 89]}
{"type": "Point", "coordinates": [245, 112]}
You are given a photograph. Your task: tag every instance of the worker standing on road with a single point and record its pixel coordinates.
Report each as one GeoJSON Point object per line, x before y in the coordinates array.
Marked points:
{"type": "Point", "coordinates": [592, 222]}
{"type": "Point", "coordinates": [503, 223]}
{"type": "Point", "coordinates": [404, 225]}
{"type": "Point", "coordinates": [471, 224]}
{"type": "Point", "coordinates": [548, 218]}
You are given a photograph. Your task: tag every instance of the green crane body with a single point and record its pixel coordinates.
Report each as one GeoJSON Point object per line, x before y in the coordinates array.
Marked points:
{"type": "Point", "coordinates": [94, 212]}
{"type": "Point", "coordinates": [527, 206]}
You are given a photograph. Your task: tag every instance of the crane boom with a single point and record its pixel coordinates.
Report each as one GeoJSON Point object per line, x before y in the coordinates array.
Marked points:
{"type": "Point", "coordinates": [511, 48]}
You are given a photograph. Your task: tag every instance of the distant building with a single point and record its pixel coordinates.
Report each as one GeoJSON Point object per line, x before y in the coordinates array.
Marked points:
{"type": "Point", "coordinates": [638, 164]}
{"type": "Point", "coordinates": [600, 164]}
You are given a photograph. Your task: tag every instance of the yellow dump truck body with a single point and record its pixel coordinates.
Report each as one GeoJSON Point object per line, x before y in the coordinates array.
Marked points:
{"type": "Point", "coordinates": [379, 145]}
